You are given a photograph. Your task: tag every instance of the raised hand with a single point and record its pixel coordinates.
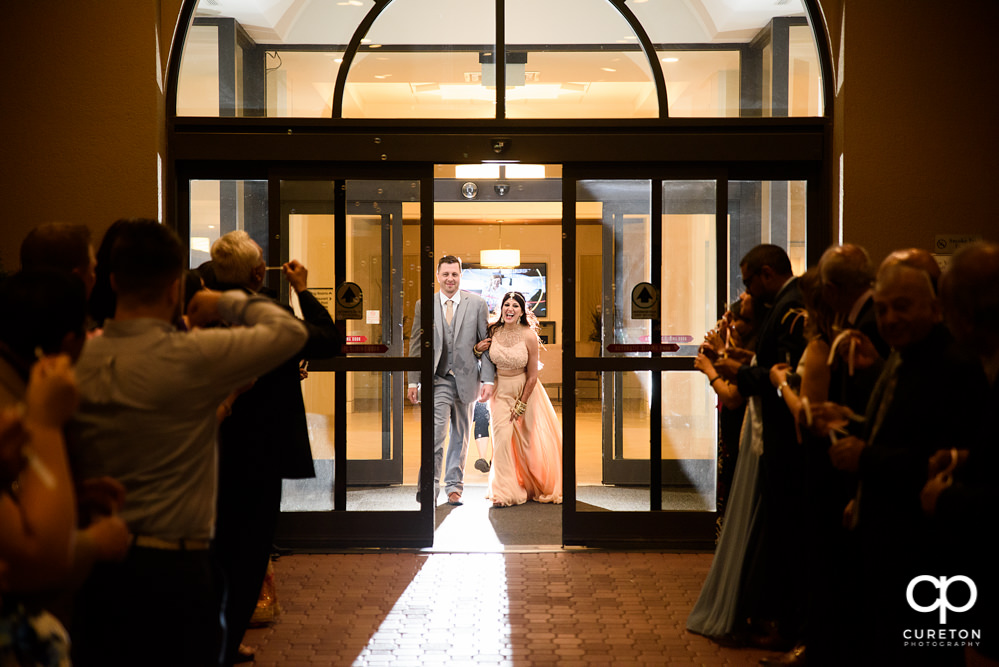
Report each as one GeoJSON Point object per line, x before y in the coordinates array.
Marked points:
{"type": "Point", "coordinates": [297, 275]}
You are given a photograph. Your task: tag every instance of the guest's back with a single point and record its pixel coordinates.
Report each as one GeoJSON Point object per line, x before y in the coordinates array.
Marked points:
{"type": "Point", "coordinates": [147, 416]}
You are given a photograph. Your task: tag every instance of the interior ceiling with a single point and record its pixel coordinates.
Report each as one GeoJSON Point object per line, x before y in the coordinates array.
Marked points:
{"type": "Point", "coordinates": [528, 21]}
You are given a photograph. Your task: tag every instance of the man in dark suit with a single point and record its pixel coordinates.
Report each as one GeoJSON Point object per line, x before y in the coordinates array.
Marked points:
{"type": "Point", "coordinates": [774, 568]}
{"type": "Point", "coordinates": [956, 503]}
{"type": "Point", "coordinates": [847, 278]}
{"type": "Point", "coordinates": [265, 439]}
{"type": "Point", "coordinates": [929, 392]}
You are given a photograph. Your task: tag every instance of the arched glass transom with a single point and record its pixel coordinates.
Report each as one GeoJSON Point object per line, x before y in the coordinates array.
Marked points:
{"type": "Point", "coordinates": [437, 59]}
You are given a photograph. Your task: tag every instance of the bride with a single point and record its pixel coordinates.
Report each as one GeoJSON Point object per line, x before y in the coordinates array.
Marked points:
{"type": "Point", "coordinates": [527, 436]}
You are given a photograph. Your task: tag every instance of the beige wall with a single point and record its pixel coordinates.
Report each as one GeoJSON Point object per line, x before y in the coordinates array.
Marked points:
{"type": "Point", "coordinates": [919, 133]}
{"type": "Point", "coordinates": [82, 113]}
{"type": "Point", "coordinates": [82, 117]}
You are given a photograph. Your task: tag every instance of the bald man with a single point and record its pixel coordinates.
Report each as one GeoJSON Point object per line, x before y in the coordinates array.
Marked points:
{"type": "Point", "coordinates": [929, 392]}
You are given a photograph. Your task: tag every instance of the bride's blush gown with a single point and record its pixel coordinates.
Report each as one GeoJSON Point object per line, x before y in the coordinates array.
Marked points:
{"type": "Point", "coordinates": [527, 454]}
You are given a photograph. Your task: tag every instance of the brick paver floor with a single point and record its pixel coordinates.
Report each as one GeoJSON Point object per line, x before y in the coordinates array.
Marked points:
{"type": "Point", "coordinates": [564, 608]}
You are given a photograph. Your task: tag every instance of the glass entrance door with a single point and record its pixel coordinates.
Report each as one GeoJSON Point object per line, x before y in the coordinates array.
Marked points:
{"type": "Point", "coordinates": [360, 234]}
{"type": "Point", "coordinates": [651, 263]}
{"type": "Point", "coordinates": [646, 289]}
{"type": "Point", "coordinates": [639, 424]}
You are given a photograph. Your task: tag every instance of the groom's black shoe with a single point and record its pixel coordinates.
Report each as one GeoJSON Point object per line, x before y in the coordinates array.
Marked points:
{"type": "Point", "coordinates": [454, 498]}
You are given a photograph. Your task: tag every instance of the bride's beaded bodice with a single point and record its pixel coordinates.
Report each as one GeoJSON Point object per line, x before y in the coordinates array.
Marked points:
{"type": "Point", "coordinates": [508, 349]}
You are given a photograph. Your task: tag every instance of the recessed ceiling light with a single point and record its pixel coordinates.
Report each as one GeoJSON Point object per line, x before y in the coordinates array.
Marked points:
{"type": "Point", "coordinates": [671, 60]}
{"type": "Point", "coordinates": [382, 76]}
{"type": "Point", "coordinates": [608, 69]}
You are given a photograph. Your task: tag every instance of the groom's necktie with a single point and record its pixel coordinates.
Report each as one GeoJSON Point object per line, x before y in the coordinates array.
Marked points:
{"type": "Point", "coordinates": [449, 313]}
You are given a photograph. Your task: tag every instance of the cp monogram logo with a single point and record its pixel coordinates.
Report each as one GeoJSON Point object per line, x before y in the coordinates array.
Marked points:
{"type": "Point", "coordinates": [942, 602]}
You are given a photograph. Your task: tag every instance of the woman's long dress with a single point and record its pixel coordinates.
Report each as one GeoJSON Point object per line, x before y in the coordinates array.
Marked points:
{"type": "Point", "coordinates": [527, 454]}
{"type": "Point", "coordinates": [719, 606]}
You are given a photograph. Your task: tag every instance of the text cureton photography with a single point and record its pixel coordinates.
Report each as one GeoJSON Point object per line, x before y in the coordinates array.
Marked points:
{"type": "Point", "coordinates": [941, 636]}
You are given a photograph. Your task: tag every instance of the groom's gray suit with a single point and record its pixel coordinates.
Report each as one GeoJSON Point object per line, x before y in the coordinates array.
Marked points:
{"type": "Point", "coordinates": [456, 379]}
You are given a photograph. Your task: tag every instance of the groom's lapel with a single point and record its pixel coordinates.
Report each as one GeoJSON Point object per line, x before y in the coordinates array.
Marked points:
{"type": "Point", "coordinates": [438, 316]}
{"type": "Point", "coordinates": [459, 314]}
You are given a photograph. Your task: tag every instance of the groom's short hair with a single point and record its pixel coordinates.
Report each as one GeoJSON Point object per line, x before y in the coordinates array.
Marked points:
{"type": "Point", "coordinates": [448, 259]}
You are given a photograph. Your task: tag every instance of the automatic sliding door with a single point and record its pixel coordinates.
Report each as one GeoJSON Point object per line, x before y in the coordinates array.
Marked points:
{"type": "Point", "coordinates": [643, 421]}
{"type": "Point", "coordinates": [352, 234]}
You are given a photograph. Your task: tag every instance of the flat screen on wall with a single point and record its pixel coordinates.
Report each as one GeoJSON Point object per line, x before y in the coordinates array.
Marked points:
{"type": "Point", "coordinates": [528, 279]}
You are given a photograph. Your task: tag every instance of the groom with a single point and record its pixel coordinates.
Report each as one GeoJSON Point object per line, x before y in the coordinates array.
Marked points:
{"type": "Point", "coordinates": [460, 320]}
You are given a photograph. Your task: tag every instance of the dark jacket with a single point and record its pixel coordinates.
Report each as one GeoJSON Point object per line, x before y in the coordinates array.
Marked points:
{"type": "Point", "coordinates": [267, 432]}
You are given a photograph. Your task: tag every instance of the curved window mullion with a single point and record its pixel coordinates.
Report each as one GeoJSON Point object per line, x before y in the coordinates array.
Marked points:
{"type": "Point", "coordinates": [650, 53]}
{"type": "Point", "coordinates": [500, 59]}
{"type": "Point", "coordinates": [351, 52]}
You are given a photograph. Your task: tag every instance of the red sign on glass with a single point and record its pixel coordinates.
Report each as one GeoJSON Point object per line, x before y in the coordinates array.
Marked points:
{"type": "Point", "coordinates": [643, 347]}
{"type": "Point", "coordinates": [365, 349]}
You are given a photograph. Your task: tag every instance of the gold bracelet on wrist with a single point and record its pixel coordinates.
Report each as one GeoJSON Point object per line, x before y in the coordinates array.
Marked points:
{"type": "Point", "coordinates": [520, 407]}
{"type": "Point", "coordinates": [476, 352]}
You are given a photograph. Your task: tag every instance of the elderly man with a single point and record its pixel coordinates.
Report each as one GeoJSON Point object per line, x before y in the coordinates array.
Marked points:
{"type": "Point", "coordinates": [148, 400]}
{"type": "Point", "coordinates": [265, 439]}
{"type": "Point", "coordinates": [929, 392]}
{"type": "Point", "coordinates": [957, 499]}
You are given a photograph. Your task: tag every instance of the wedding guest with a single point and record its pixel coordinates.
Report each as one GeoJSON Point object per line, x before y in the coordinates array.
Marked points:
{"type": "Point", "coordinates": [723, 606]}
{"type": "Point", "coordinates": [769, 278]}
{"type": "Point", "coordinates": [927, 374]}
{"type": "Point", "coordinates": [158, 607]}
{"type": "Point", "coordinates": [962, 489]}
{"type": "Point", "coordinates": [61, 246]}
{"type": "Point", "coordinates": [262, 441]}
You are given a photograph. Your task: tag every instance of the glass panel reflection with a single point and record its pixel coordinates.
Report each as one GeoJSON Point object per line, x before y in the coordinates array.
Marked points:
{"type": "Point", "coordinates": [198, 84]}
{"type": "Point", "coordinates": [804, 74]}
{"type": "Point", "coordinates": [615, 436]}
{"type": "Point", "coordinates": [383, 444]}
{"type": "Point", "coordinates": [765, 212]}
{"type": "Point", "coordinates": [613, 444]}
{"type": "Point", "coordinates": [568, 77]}
{"type": "Point", "coordinates": [689, 442]}
{"type": "Point", "coordinates": [378, 246]}
{"type": "Point", "coordinates": [689, 271]}
{"type": "Point", "coordinates": [613, 233]}
{"type": "Point", "coordinates": [400, 72]}
{"type": "Point", "coordinates": [219, 207]}
{"type": "Point", "coordinates": [418, 61]}
{"type": "Point", "coordinates": [315, 494]}
{"type": "Point", "coordinates": [383, 430]}
{"type": "Point", "coordinates": [300, 84]}
{"type": "Point", "coordinates": [702, 84]}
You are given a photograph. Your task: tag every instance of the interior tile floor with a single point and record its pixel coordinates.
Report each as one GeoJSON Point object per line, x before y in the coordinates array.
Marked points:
{"type": "Point", "coordinates": [536, 606]}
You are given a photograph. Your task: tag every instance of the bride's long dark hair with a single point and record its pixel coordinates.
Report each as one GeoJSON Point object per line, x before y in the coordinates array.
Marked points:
{"type": "Point", "coordinates": [527, 317]}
